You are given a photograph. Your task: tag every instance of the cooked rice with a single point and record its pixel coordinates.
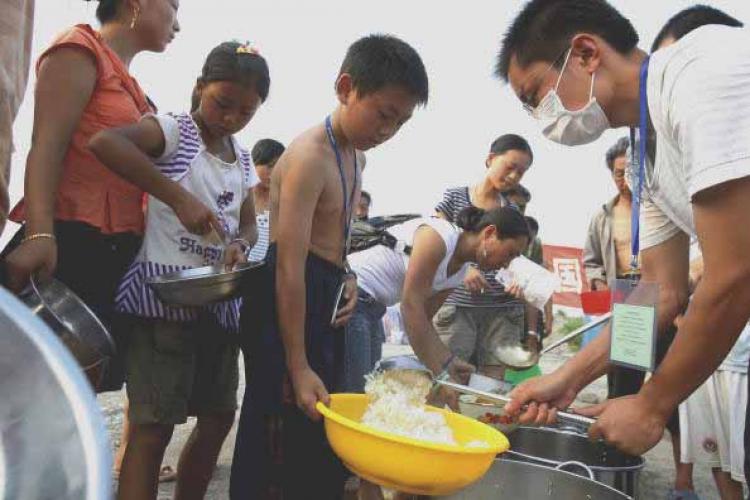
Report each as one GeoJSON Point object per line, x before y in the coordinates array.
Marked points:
{"type": "Point", "coordinates": [397, 406]}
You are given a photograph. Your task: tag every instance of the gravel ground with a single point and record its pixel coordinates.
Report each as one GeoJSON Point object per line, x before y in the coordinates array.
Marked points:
{"type": "Point", "coordinates": [655, 480]}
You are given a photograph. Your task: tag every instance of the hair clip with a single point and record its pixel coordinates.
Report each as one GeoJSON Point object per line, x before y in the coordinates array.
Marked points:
{"type": "Point", "coordinates": [248, 49]}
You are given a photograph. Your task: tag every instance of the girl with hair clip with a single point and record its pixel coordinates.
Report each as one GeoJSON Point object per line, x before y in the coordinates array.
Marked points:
{"type": "Point", "coordinates": [183, 361]}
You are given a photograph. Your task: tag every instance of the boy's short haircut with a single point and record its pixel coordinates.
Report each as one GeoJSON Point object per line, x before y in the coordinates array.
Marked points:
{"type": "Point", "coordinates": [620, 148]}
{"type": "Point", "coordinates": [544, 28]}
{"type": "Point", "coordinates": [377, 61]}
{"type": "Point", "coordinates": [690, 19]}
{"type": "Point", "coordinates": [519, 190]}
{"type": "Point", "coordinates": [266, 151]}
{"type": "Point", "coordinates": [364, 195]}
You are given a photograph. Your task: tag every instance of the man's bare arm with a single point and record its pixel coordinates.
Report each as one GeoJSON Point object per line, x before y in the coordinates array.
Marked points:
{"type": "Point", "coordinates": [721, 304]}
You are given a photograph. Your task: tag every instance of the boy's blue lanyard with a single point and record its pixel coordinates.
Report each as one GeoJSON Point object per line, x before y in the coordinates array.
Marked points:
{"type": "Point", "coordinates": [635, 213]}
{"type": "Point", "coordinates": [348, 202]}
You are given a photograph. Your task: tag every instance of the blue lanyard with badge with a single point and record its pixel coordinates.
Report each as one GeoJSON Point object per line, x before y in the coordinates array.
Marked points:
{"type": "Point", "coordinates": [347, 208]}
{"type": "Point", "coordinates": [633, 332]}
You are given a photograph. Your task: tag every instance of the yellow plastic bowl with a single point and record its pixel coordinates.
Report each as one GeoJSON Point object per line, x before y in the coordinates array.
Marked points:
{"type": "Point", "coordinates": [404, 464]}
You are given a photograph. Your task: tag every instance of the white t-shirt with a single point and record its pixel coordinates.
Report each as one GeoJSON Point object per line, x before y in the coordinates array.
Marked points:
{"type": "Point", "coordinates": [699, 103]}
{"type": "Point", "coordinates": [381, 271]}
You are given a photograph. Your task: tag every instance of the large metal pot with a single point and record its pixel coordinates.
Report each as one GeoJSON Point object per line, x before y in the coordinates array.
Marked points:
{"type": "Point", "coordinates": [71, 320]}
{"type": "Point", "coordinates": [553, 446]}
{"type": "Point", "coordinates": [53, 443]}
{"type": "Point", "coordinates": [513, 480]}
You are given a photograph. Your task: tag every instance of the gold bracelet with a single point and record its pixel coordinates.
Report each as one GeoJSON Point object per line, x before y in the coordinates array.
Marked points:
{"type": "Point", "coordinates": [38, 236]}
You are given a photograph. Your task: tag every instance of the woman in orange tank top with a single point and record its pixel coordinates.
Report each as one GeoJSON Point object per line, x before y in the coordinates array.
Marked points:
{"type": "Point", "coordinates": [82, 223]}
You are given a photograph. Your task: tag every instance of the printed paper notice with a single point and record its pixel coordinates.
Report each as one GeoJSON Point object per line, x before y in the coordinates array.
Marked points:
{"type": "Point", "coordinates": [633, 336]}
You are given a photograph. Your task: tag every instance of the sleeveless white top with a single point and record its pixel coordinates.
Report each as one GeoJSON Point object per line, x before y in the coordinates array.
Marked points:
{"type": "Point", "coordinates": [381, 270]}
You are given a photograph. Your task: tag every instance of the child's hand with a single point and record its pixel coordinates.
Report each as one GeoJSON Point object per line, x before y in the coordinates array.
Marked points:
{"type": "Point", "coordinates": [308, 390]}
{"type": "Point", "coordinates": [196, 216]}
{"type": "Point", "coordinates": [475, 282]}
{"type": "Point", "coordinates": [234, 255]}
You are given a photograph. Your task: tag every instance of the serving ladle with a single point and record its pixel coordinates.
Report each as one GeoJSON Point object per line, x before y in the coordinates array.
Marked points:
{"type": "Point", "coordinates": [412, 364]}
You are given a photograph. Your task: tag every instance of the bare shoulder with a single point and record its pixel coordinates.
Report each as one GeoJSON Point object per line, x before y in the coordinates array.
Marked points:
{"type": "Point", "coordinates": [304, 155]}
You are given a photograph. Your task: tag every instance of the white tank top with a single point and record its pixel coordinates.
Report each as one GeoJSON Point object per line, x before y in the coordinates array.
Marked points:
{"type": "Point", "coordinates": [381, 270]}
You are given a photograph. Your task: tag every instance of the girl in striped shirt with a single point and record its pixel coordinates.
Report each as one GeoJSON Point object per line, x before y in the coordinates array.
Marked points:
{"type": "Point", "coordinates": [480, 313]}
{"type": "Point", "coordinates": [183, 361]}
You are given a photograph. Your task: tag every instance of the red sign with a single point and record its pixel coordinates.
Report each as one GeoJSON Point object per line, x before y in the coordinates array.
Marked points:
{"type": "Point", "coordinates": [567, 264]}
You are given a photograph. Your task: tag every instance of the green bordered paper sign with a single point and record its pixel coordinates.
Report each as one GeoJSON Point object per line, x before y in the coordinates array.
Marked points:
{"type": "Point", "coordinates": [633, 339]}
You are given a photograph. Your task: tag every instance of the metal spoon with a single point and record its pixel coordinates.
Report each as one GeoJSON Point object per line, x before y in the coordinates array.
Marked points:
{"type": "Point", "coordinates": [411, 363]}
{"type": "Point", "coordinates": [575, 333]}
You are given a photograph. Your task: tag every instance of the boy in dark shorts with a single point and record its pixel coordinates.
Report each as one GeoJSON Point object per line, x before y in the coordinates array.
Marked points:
{"type": "Point", "coordinates": [288, 338]}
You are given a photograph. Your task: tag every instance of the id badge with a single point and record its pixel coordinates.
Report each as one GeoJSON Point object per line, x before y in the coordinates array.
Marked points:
{"type": "Point", "coordinates": [633, 336]}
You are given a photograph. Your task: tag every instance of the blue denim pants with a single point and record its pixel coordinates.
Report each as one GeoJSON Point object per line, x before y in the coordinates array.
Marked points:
{"type": "Point", "coordinates": [363, 342]}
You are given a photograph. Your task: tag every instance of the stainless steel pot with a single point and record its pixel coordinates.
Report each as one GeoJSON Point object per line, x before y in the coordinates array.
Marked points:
{"type": "Point", "coordinates": [201, 286]}
{"type": "Point", "coordinates": [71, 320]}
{"type": "Point", "coordinates": [552, 447]}
{"type": "Point", "coordinates": [514, 480]}
{"type": "Point", "coordinates": [53, 443]}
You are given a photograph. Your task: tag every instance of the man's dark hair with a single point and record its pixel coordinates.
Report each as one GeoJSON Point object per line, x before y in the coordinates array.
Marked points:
{"type": "Point", "coordinates": [519, 190]}
{"type": "Point", "coordinates": [544, 28]}
{"type": "Point", "coordinates": [511, 142]}
{"type": "Point", "coordinates": [364, 195]}
{"type": "Point", "coordinates": [690, 19]}
{"type": "Point", "coordinates": [266, 152]}
{"type": "Point", "coordinates": [234, 62]}
{"type": "Point", "coordinates": [377, 61]}
{"type": "Point", "coordinates": [620, 148]}
{"type": "Point", "coordinates": [533, 224]}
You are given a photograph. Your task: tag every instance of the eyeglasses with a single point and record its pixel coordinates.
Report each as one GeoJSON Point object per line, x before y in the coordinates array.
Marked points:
{"type": "Point", "coordinates": [526, 101]}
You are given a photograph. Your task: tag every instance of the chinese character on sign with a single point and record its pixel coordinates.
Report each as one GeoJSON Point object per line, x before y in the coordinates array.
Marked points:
{"type": "Point", "coordinates": [569, 271]}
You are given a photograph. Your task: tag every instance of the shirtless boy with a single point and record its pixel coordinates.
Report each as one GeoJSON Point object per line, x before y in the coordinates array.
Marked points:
{"type": "Point", "coordinates": [289, 335]}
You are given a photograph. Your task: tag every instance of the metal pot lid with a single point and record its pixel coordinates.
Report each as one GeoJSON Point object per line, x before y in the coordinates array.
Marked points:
{"type": "Point", "coordinates": [52, 434]}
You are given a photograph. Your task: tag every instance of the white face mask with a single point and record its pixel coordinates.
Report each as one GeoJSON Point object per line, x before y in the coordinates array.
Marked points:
{"type": "Point", "coordinates": [571, 128]}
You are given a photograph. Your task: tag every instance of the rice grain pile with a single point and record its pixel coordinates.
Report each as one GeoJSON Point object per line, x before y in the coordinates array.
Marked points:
{"type": "Point", "coordinates": [397, 406]}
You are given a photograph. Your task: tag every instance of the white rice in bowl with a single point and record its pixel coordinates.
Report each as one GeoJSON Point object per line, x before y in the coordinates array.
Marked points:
{"type": "Point", "coordinates": [397, 406]}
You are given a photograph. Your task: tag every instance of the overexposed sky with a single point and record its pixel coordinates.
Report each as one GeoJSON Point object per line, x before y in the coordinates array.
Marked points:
{"type": "Point", "coordinates": [443, 145]}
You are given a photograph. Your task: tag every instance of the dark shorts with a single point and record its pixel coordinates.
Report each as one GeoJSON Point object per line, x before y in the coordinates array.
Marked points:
{"type": "Point", "coordinates": [622, 381]}
{"type": "Point", "coordinates": [176, 370]}
{"type": "Point", "coordinates": [308, 467]}
{"type": "Point", "coordinates": [92, 264]}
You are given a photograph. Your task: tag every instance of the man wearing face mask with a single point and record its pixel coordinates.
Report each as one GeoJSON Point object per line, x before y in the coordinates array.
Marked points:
{"type": "Point", "coordinates": [576, 64]}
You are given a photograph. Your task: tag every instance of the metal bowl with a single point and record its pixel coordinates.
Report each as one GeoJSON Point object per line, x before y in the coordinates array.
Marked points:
{"type": "Point", "coordinates": [53, 441]}
{"type": "Point", "coordinates": [201, 286]}
{"type": "Point", "coordinates": [71, 320]}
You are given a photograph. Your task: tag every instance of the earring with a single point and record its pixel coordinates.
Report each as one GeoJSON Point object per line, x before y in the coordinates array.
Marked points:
{"type": "Point", "coordinates": [136, 13]}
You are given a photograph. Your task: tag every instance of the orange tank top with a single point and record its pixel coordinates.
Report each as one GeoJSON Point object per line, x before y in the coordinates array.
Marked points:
{"type": "Point", "coordinates": [88, 191]}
